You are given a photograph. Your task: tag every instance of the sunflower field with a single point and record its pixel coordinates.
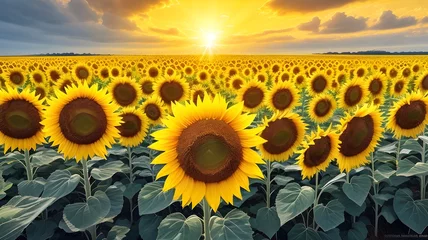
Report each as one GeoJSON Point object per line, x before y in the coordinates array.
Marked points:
{"type": "Point", "coordinates": [234, 147]}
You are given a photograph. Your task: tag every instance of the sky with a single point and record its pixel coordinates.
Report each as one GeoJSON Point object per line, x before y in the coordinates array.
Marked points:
{"type": "Point", "coordinates": [138, 27]}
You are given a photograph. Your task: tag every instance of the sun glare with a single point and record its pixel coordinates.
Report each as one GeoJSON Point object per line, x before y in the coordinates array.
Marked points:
{"type": "Point", "coordinates": [210, 39]}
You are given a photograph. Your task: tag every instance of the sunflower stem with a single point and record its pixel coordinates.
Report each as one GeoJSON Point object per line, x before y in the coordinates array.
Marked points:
{"type": "Point", "coordinates": [397, 156]}
{"type": "Point", "coordinates": [28, 167]}
{"type": "Point", "coordinates": [268, 183]}
{"type": "Point", "coordinates": [131, 181]}
{"type": "Point", "coordinates": [374, 194]}
{"type": "Point", "coordinates": [423, 176]}
{"type": "Point", "coordinates": [93, 229]}
{"type": "Point", "coordinates": [315, 199]}
{"type": "Point", "coordinates": [207, 217]}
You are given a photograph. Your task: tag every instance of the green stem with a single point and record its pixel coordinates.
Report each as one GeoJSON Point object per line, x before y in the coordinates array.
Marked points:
{"type": "Point", "coordinates": [268, 183]}
{"type": "Point", "coordinates": [374, 194]}
{"type": "Point", "coordinates": [315, 199]}
{"type": "Point", "coordinates": [28, 167]}
{"type": "Point", "coordinates": [93, 229]}
{"type": "Point", "coordinates": [347, 177]}
{"type": "Point", "coordinates": [397, 156]}
{"type": "Point", "coordinates": [423, 176]}
{"type": "Point", "coordinates": [131, 180]}
{"type": "Point", "coordinates": [207, 217]}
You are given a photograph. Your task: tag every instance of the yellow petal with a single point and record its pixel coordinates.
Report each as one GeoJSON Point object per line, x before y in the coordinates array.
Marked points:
{"type": "Point", "coordinates": [251, 169]}
{"type": "Point", "coordinates": [167, 169]}
{"type": "Point", "coordinates": [198, 193]}
{"type": "Point", "coordinates": [165, 157]}
{"type": "Point", "coordinates": [252, 156]}
{"type": "Point", "coordinates": [212, 195]}
{"type": "Point", "coordinates": [173, 179]}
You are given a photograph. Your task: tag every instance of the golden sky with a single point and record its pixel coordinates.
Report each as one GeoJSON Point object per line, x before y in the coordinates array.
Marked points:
{"type": "Point", "coordinates": [222, 26]}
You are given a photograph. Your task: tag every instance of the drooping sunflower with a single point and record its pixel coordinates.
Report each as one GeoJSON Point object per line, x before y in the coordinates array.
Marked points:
{"type": "Point", "coordinates": [38, 77]}
{"type": "Point", "coordinates": [124, 92]}
{"type": "Point", "coordinates": [282, 97]}
{"type": "Point", "coordinates": [319, 83]}
{"type": "Point", "coordinates": [207, 152]}
{"type": "Point", "coordinates": [360, 132]}
{"type": "Point", "coordinates": [15, 77]}
{"type": "Point", "coordinates": [154, 109]}
{"type": "Point", "coordinates": [171, 89]}
{"type": "Point", "coordinates": [318, 151]}
{"type": "Point", "coordinates": [422, 82]}
{"type": "Point", "coordinates": [399, 86]}
{"type": "Point", "coordinates": [284, 133]}
{"type": "Point", "coordinates": [353, 93]}
{"type": "Point", "coordinates": [377, 84]}
{"type": "Point", "coordinates": [133, 128]}
{"type": "Point", "coordinates": [82, 72]}
{"type": "Point", "coordinates": [20, 117]}
{"type": "Point", "coordinates": [409, 115]}
{"type": "Point", "coordinates": [81, 122]}
{"type": "Point", "coordinates": [321, 108]}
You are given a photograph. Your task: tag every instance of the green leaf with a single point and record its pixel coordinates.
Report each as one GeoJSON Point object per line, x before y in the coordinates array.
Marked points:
{"type": "Point", "coordinates": [390, 148]}
{"type": "Point", "coordinates": [383, 172]}
{"type": "Point", "coordinates": [282, 180]}
{"type": "Point", "coordinates": [117, 150]}
{"type": "Point", "coordinates": [115, 196]}
{"type": "Point", "coordinates": [381, 198]}
{"type": "Point", "coordinates": [333, 234]}
{"type": "Point", "coordinates": [333, 180]}
{"type": "Point", "coordinates": [31, 188]}
{"type": "Point", "coordinates": [388, 213]}
{"type": "Point", "coordinates": [18, 213]}
{"type": "Point", "coordinates": [107, 170]}
{"type": "Point", "coordinates": [293, 200]}
{"type": "Point", "coordinates": [152, 199]}
{"type": "Point", "coordinates": [412, 213]}
{"type": "Point", "coordinates": [300, 232]}
{"type": "Point", "coordinates": [329, 216]}
{"type": "Point", "coordinates": [407, 168]}
{"type": "Point", "coordinates": [131, 190]}
{"type": "Point", "coordinates": [45, 157]}
{"type": "Point", "coordinates": [81, 216]}
{"type": "Point", "coordinates": [235, 225]}
{"type": "Point", "coordinates": [41, 230]}
{"type": "Point", "coordinates": [267, 221]}
{"type": "Point", "coordinates": [176, 226]}
{"type": "Point", "coordinates": [4, 186]}
{"type": "Point", "coordinates": [141, 162]}
{"type": "Point", "coordinates": [117, 233]}
{"type": "Point", "coordinates": [357, 232]}
{"type": "Point", "coordinates": [60, 183]}
{"type": "Point", "coordinates": [424, 139]}
{"type": "Point", "coordinates": [148, 226]}
{"type": "Point", "coordinates": [286, 168]}
{"type": "Point", "coordinates": [411, 145]}
{"type": "Point", "coordinates": [245, 196]}
{"type": "Point", "coordinates": [358, 189]}
{"type": "Point", "coordinates": [350, 206]}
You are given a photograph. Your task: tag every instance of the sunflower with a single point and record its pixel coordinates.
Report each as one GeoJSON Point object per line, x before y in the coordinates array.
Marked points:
{"type": "Point", "coordinates": [188, 71]}
{"type": "Point", "coordinates": [253, 94]}
{"type": "Point", "coordinates": [360, 132]}
{"type": "Point", "coordinates": [203, 76]}
{"type": "Point", "coordinates": [124, 92]}
{"type": "Point", "coordinates": [154, 109]}
{"type": "Point", "coordinates": [321, 108]}
{"type": "Point", "coordinates": [41, 91]}
{"type": "Point", "coordinates": [207, 152]}
{"type": "Point", "coordinates": [422, 82]}
{"type": "Point", "coordinates": [38, 77]}
{"type": "Point", "coordinates": [352, 94]}
{"type": "Point", "coordinates": [319, 83]}
{"type": "Point", "coordinates": [15, 77]}
{"type": "Point", "coordinates": [53, 75]}
{"type": "Point", "coordinates": [20, 116]}
{"type": "Point", "coordinates": [377, 84]}
{"type": "Point", "coordinates": [282, 97]}
{"type": "Point", "coordinates": [171, 89]}
{"type": "Point", "coordinates": [261, 77]}
{"type": "Point", "coordinates": [153, 72]}
{"type": "Point", "coordinates": [64, 82]}
{"type": "Point", "coordinates": [300, 81]}
{"type": "Point", "coordinates": [81, 72]}
{"type": "Point", "coordinates": [170, 72]}
{"type": "Point", "coordinates": [104, 73]}
{"type": "Point", "coordinates": [360, 72]}
{"type": "Point", "coordinates": [406, 72]}
{"type": "Point", "coordinates": [416, 68]}
{"type": "Point", "coordinates": [133, 128]}
{"type": "Point", "coordinates": [284, 76]}
{"type": "Point", "coordinates": [237, 82]}
{"type": "Point", "coordinates": [284, 133]}
{"type": "Point", "coordinates": [409, 115]}
{"type": "Point", "coordinates": [399, 86]}
{"type": "Point", "coordinates": [197, 92]}
{"type": "Point", "coordinates": [115, 71]}
{"type": "Point", "coordinates": [392, 72]}
{"type": "Point", "coordinates": [318, 151]}
{"type": "Point", "coordinates": [247, 72]}
{"type": "Point", "coordinates": [81, 121]}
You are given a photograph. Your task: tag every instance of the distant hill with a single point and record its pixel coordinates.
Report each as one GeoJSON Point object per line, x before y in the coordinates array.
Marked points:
{"type": "Point", "coordinates": [376, 52]}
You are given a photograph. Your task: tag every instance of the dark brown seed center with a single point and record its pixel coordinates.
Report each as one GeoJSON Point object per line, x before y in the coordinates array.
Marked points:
{"type": "Point", "coordinates": [319, 84]}
{"type": "Point", "coordinates": [280, 134]}
{"type": "Point", "coordinates": [357, 136]}
{"type": "Point", "coordinates": [282, 99]}
{"type": "Point", "coordinates": [253, 97]}
{"type": "Point", "coordinates": [353, 95]}
{"type": "Point", "coordinates": [152, 111]}
{"type": "Point", "coordinates": [322, 107]}
{"type": "Point", "coordinates": [375, 86]}
{"type": "Point", "coordinates": [317, 154]}
{"type": "Point", "coordinates": [124, 94]}
{"type": "Point", "coordinates": [171, 91]}
{"type": "Point", "coordinates": [37, 78]}
{"type": "Point", "coordinates": [398, 86]}
{"type": "Point", "coordinates": [147, 87]}
{"type": "Point", "coordinates": [19, 119]}
{"type": "Point", "coordinates": [425, 82]}
{"type": "Point", "coordinates": [131, 125]}
{"type": "Point", "coordinates": [411, 115]}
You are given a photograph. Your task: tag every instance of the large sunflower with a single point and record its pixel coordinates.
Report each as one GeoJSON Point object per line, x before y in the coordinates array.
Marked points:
{"type": "Point", "coordinates": [171, 89]}
{"type": "Point", "coordinates": [319, 83]}
{"type": "Point", "coordinates": [409, 115]}
{"type": "Point", "coordinates": [252, 94]}
{"type": "Point", "coordinates": [82, 72]}
{"type": "Point", "coordinates": [352, 94]}
{"type": "Point", "coordinates": [321, 108]}
{"type": "Point", "coordinates": [15, 77]}
{"type": "Point", "coordinates": [422, 82]}
{"type": "Point", "coordinates": [81, 121]}
{"type": "Point", "coordinates": [20, 117]}
{"type": "Point", "coordinates": [124, 92]}
{"type": "Point", "coordinates": [284, 133]}
{"type": "Point", "coordinates": [318, 151]}
{"type": "Point", "coordinates": [154, 109]}
{"type": "Point", "coordinates": [282, 97]}
{"type": "Point", "coordinates": [133, 128]}
{"type": "Point", "coordinates": [207, 152]}
{"type": "Point", "coordinates": [360, 132]}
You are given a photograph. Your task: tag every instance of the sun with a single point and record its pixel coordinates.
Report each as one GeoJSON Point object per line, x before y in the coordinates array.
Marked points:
{"type": "Point", "coordinates": [210, 39]}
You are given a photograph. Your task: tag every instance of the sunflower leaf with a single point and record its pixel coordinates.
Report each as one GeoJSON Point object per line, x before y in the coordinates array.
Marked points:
{"type": "Point", "coordinates": [358, 189]}
{"type": "Point", "coordinates": [148, 226]}
{"type": "Point", "coordinates": [407, 168]}
{"type": "Point", "coordinates": [117, 233]}
{"type": "Point", "coordinates": [153, 199]}
{"type": "Point", "coordinates": [235, 225]}
{"type": "Point", "coordinates": [300, 232]}
{"type": "Point", "coordinates": [45, 157]}
{"type": "Point", "coordinates": [412, 213]}
{"type": "Point", "coordinates": [31, 188]}
{"type": "Point", "coordinates": [267, 221]}
{"type": "Point", "coordinates": [176, 226]}
{"type": "Point", "coordinates": [293, 200]}
{"type": "Point", "coordinates": [330, 215]}
{"type": "Point", "coordinates": [41, 230]}
{"type": "Point", "coordinates": [60, 183]}
{"type": "Point", "coordinates": [357, 232]}
{"type": "Point", "coordinates": [107, 170]}
{"type": "Point", "coordinates": [388, 213]}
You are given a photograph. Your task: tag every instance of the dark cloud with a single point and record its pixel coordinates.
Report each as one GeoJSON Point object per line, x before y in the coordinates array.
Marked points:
{"type": "Point", "coordinates": [341, 23]}
{"type": "Point", "coordinates": [282, 7]}
{"type": "Point", "coordinates": [169, 31]}
{"type": "Point", "coordinates": [424, 20]}
{"type": "Point", "coordinates": [81, 11]}
{"type": "Point", "coordinates": [128, 7]}
{"type": "Point", "coordinates": [117, 22]}
{"type": "Point", "coordinates": [313, 25]}
{"type": "Point", "coordinates": [389, 20]}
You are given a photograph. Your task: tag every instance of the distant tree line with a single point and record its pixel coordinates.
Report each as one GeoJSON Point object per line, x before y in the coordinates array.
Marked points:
{"type": "Point", "coordinates": [376, 52]}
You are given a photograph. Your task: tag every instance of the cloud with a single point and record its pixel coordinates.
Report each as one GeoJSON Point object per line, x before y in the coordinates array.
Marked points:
{"type": "Point", "coordinates": [389, 20]}
{"type": "Point", "coordinates": [424, 20]}
{"type": "Point", "coordinates": [128, 7]}
{"type": "Point", "coordinates": [341, 23]}
{"type": "Point", "coordinates": [258, 37]}
{"type": "Point", "coordinates": [81, 10]}
{"type": "Point", "coordinates": [282, 7]}
{"type": "Point", "coordinates": [117, 22]}
{"type": "Point", "coordinates": [169, 31]}
{"type": "Point", "coordinates": [312, 25]}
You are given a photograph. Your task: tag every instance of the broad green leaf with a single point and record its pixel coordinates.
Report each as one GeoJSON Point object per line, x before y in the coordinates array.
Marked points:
{"type": "Point", "coordinates": [282, 180]}
{"type": "Point", "coordinates": [107, 170]}
{"type": "Point", "coordinates": [117, 150]}
{"type": "Point", "coordinates": [41, 230]}
{"type": "Point", "coordinates": [176, 226]}
{"type": "Point", "coordinates": [31, 188]}
{"type": "Point", "coordinates": [357, 232]}
{"type": "Point", "coordinates": [358, 189]}
{"type": "Point", "coordinates": [300, 232]}
{"type": "Point", "coordinates": [388, 213]}
{"type": "Point", "coordinates": [424, 139]}
{"type": "Point", "coordinates": [381, 198]}
{"type": "Point", "coordinates": [412, 213]}
{"type": "Point", "coordinates": [383, 172]}
{"type": "Point", "coordinates": [411, 145]}
{"type": "Point", "coordinates": [4, 186]}
{"type": "Point", "coordinates": [148, 226]}
{"type": "Point", "coordinates": [286, 168]}
{"type": "Point", "coordinates": [267, 221]}
{"type": "Point", "coordinates": [131, 190]}
{"type": "Point", "coordinates": [81, 216]}
{"type": "Point", "coordinates": [235, 225]}
{"type": "Point", "coordinates": [60, 183]}
{"type": "Point", "coordinates": [329, 216]}
{"type": "Point", "coordinates": [45, 157]}
{"type": "Point", "coordinates": [245, 196]}
{"type": "Point", "coordinates": [390, 148]}
{"type": "Point", "coordinates": [407, 168]}
{"type": "Point", "coordinates": [19, 212]}
{"type": "Point", "coordinates": [397, 180]}
{"type": "Point", "coordinates": [350, 206]}
{"type": "Point", "coordinates": [385, 157]}
{"type": "Point", "coordinates": [333, 234]}
{"type": "Point", "coordinates": [293, 200]}
{"type": "Point", "coordinates": [334, 180]}
{"type": "Point", "coordinates": [115, 196]}
{"type": "Point", "coordinates": [152, 199]}
{"type": "Point", "coordinates": [141, 162]}
{"type": "Point", "coordinates": [117, 233]}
